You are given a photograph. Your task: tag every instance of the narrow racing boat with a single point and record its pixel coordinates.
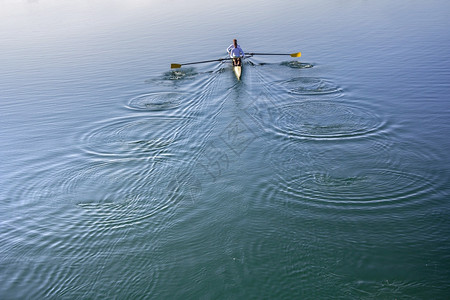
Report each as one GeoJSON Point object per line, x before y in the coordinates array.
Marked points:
{"type": "Point", "coordinates": [237, 71]}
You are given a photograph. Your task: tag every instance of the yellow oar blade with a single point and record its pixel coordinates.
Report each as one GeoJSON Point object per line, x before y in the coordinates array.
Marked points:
{"type": "Point", "coordinates": [298, 54]}
{"type": "Point", "coordinates": [175, 66]}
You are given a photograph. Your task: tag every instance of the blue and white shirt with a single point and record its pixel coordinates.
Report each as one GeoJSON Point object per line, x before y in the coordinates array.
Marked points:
{"type": "Point", "coordinates": [235, 52]}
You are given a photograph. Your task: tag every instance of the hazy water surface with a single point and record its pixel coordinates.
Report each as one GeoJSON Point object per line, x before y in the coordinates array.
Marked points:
{"type": "Point", "coordinates": [320, 177]}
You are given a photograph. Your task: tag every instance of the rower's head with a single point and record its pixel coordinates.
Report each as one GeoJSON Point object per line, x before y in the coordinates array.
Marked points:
{"type": "Point", "coordinates": [235, 42]}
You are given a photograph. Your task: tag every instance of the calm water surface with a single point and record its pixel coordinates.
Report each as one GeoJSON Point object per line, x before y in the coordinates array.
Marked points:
{"type": "Point", "coordinates": [314, 178]}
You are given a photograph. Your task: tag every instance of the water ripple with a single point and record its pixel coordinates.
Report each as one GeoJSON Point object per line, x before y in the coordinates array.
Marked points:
{"type": "Point", "coordinates": [369, 190]}
{"type": "Point", "coordinates": [157, 101]}
{"type": "Point", "coordinates": [180, 74]}
{"type": "Point", "coordinates": [294, 156]}
{"type": "Point", "coordinates": [319, 120]}
{"type": "Point", "coordinates": [174, 78]}
{"type": "Point", "coordinates": [138, 207]}
{"type": "Point", "coordinates": [88, 213]}
{"type": "Point", "coordinates": [133, 137]}
{"type": "Point", "coordinates": [294, 64]}
{"type": "Point", "coordinates": [309, 86]}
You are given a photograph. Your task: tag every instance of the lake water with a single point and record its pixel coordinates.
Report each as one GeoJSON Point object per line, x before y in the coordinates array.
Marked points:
{"type": "Point", "coordinates": [320, 177]}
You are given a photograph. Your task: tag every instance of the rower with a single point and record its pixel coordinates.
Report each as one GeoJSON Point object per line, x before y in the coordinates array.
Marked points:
{"type": "Point", "coordinates": [235, 52]}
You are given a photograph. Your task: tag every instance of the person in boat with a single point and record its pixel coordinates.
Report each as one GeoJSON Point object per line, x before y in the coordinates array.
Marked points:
{"type": "Point", "coordinates": [235, 52]}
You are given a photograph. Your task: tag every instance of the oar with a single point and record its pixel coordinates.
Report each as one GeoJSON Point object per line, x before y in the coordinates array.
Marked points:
{"type": "Point", "coordinates": [176, 66]}
{"type": "Point", "coordinates": [298, 54]}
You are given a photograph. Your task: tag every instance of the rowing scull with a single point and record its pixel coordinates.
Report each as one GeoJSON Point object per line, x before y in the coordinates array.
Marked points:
{"type": "Point", "coordinates": [238, 71]}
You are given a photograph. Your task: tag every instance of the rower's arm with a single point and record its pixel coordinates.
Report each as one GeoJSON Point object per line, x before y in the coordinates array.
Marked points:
{"type": "Point", "coordinates": [242, 52]}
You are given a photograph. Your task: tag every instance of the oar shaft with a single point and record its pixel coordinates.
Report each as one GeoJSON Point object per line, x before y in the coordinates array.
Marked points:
{"type": "Point", "coordinates": [267, 53]}
{"type": "Point", "coordinates": [298, 54]}
{"type": "Point", "coordinates": [197, 62]}
{"type": "Point", "coordinates": [204, 61]}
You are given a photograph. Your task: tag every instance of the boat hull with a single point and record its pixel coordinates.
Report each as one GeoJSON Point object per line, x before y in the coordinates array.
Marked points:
{"type": "Point", "coordinates": [237, 71]}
